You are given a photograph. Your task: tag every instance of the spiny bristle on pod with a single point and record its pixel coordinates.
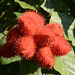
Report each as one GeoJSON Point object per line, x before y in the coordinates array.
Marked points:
{"type": "Point", "coordinates": [44, 57]}
{"type": "Point", "coordinates": [25, 47]}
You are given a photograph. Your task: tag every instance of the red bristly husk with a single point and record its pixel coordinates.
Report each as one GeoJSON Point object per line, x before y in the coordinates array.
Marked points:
{"type": "Point", "coordinates": [41, 40]}
{"type": "Point", "coordinates": [59, 45]}
{"type": "Point", "coordinates": [44, 57]}
{"type": "Point", "coordinates": [25, 47]}
{"type": "Point", "coordinates": [30, 21]}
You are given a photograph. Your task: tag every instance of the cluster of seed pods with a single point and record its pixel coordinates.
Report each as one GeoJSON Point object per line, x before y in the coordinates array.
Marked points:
{"type": "Point", "coordinates": [32, 39]}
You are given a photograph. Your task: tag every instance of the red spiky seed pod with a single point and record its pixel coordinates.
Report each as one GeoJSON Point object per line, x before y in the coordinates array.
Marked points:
{"type": "Point", "coordinates": [25, 47]}
{"type": "Point", "coordinates": [41, 40]}
{"type": "Point", "coordinates": [8, 50]}
{"type": "Point", "coordinates": [59, 45]}
{"type": "Point", "coordinates": [13, 34]}
{"type": "Point", "coordinates": [55, 28]}
{"type": "Point", "coordinates": [31, 21]}
{"type": "Point", "coordinates": [51, 29]}
{"type": "Point", "coordinates": [44, 57]}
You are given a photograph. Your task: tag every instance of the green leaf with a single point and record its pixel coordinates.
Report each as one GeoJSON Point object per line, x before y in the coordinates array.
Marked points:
{"type": "Point", "coordinates": [5, 61]}
{"type": "Point", "coordinates": [6, 12]}
{"type": "Point", "coordinates": [71, 33]}
{"type": "Point", "coordinates": [11, 69]}
{"type": "Point", "coordinates": [49, 72]}
{"type": "Point", "coordinates": [30, 4]}
{"type": "Point", "coordinates": [41, 1]}
{"type": "Point", "coordinates": [25, 5]}
{"type": "Point", "coordinates": [65, 64]}
{"type": "Point", "coordinates": [2, 35]}
{"type": "Point", "coordinates": [17, 14]}
{"type": "Point", "coordinates": [29, 68]}
{"type": "Point", "coordinates": [2, 40]}
{"type": "Point", "coordinates": [55, 18]}
{"type": "Point", "coordinates": [54, 5]}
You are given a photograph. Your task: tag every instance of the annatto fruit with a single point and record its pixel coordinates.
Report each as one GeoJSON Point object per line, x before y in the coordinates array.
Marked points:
{"type": "Point", "coordinates": [44, 57]}
{"type": "Point", "coordinates": [25, 47]}
{"type": "Point", "coordinates": [32, 39]}
{"type": "Point", "coordinates": [59, 45]}
{"type": "Point", "coordinates": [31, 21]}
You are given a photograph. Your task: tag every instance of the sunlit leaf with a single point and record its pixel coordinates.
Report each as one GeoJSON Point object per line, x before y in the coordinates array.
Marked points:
{"type": "Point", "coordinates": [5, 61]}
{"type": "Point", "coordinates": [2, 35]}
{"type": "Point", "coordinates": [25, 5]}
{"type": "Point", "coordinates": [65, 64]}
{"type": "Point", "coordinates": [71, 33]}
{"type": "Point", "coordinates": [17, 14]}
{"type": "Point", "coordinates": [54, 5]}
